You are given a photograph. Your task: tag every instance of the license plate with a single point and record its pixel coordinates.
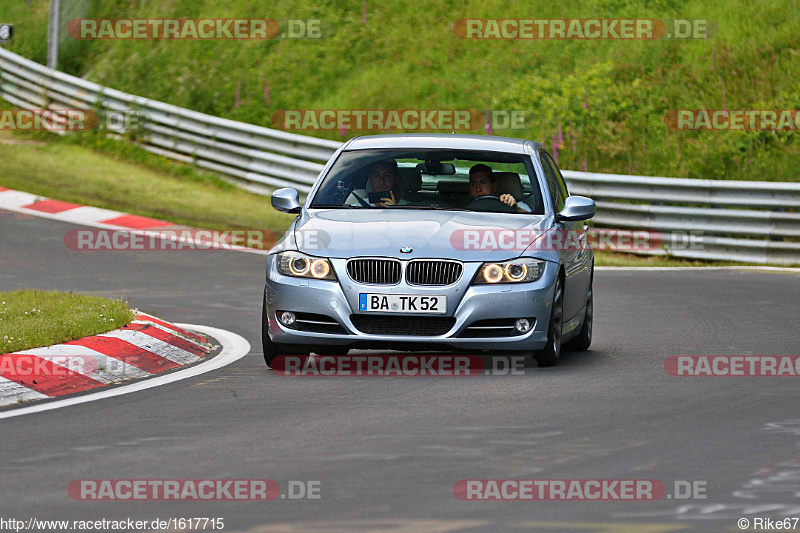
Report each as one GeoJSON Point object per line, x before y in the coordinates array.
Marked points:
{"type": "Point", "coordinates": [402, 303]}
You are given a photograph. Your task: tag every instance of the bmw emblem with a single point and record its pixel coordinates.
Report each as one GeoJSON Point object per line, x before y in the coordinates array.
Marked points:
{"type": "Point", "coordinates": [406, 249]}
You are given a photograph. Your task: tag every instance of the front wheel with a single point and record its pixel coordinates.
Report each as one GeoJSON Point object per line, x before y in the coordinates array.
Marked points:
{"type": "Point", "coordinates": [273, 349]}
{"type": "Point", "coordinates": [550, 355]}
{"type": "Point", "coordinates": [583, 340]}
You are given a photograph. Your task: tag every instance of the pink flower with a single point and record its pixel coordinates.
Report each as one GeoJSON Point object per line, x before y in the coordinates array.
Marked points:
{"type": "Point", "coordinates": [555, 148]}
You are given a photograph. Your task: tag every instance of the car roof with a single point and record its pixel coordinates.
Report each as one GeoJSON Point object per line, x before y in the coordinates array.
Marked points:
{"type": "Point", "coordinates": [441, 140]}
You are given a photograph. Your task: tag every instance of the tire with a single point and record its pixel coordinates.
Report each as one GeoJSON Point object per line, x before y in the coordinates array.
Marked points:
{"type": "Point", "coordinates": [583, 340]}
{"type": "Point", "coordinates": [550, 355]}
{"type": "Point", "coordinates": [273, 349]}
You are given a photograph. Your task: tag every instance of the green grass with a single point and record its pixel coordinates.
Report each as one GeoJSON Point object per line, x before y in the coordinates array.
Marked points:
{"type": "Point", "coordinates": [34, 318]}
{"type": "Point", "coordinates": [607, 98]}
{"type": "Point", "coordinates": [632, 260]}
{"type": "Point", "coordinates": [114, 175]}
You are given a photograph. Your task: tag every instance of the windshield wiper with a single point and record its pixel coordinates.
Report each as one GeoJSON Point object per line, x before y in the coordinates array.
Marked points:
{"type": "Point", "coordinates": [443, 208]}
{"type": "Point", "coordinates": [427, 207]}
{"type": "Point", "coordinates": [408, 206]}
{"type": "Point", "coordinates": [404, 206]}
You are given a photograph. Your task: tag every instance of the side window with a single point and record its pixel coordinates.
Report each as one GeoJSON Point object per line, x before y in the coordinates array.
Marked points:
{"type": "Point", "coordinates": [555, 184]}
{"type": "Point", "coordinates": [562, 185]}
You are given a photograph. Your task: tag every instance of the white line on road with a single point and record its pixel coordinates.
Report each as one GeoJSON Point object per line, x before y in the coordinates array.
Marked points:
{"type": "Point", "coordinates": [705, 268]}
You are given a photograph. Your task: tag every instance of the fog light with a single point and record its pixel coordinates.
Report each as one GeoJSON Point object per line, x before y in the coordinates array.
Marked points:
{"type": "Point", "coordinates": [288, 318]}
{"type": "Point", "coordinates": [522, 325]}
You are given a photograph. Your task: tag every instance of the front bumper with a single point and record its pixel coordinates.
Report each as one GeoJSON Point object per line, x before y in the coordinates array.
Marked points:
{"type": "Point", "coordinates": [467, 304]}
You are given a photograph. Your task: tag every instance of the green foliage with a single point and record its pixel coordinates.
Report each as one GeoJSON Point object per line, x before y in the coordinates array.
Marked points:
{"type": "Point", "coordinates": [583, 107]}
{"type": "Point", "coordinates": [394, 54]}
{"type": "Point", "coordinates": [93, 170]}
{"type": "Point", "coordinates": [33, 318]}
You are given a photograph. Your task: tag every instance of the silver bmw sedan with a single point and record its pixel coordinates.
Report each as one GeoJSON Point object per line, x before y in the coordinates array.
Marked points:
{"type": "Point", "coordinates": [425, 241]}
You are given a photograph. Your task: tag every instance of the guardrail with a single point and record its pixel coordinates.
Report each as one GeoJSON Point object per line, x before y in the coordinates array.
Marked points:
{"type": "Point", "coordinates": [252, 154]}
{"type": "Point", "coordinates": [714, 225]}
{"type": "Point", "coordinates": [724, 220]}
{"type": "Point", "coordinates": [767, 194]}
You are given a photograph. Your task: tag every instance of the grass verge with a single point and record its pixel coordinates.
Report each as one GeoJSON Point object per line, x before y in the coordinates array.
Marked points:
{"type": "Point", "coordinates": [117, 176]}
{"type": "Point", "coordinates": [632, 260]}
{"type": "Point", "coordinates": [600, 103]}
{"type": "Point", "coordinates": [33, 318]}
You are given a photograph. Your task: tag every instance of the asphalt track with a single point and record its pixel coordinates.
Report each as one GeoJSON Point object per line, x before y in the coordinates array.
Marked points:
{"type": "Point", "coordinates": [388, 450]}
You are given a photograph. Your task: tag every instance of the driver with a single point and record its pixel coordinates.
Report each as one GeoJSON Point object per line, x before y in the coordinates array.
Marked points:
{"type": "Point", "coordinates": [382, 178]}
{"type": "Point", "coordinates": [482, 182]}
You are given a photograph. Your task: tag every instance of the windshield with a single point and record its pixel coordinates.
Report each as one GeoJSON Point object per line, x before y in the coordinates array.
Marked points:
{"type": "Point", "coordinates": [431, 179]}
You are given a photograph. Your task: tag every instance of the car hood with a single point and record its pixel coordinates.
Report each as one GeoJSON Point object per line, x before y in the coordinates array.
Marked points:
{"type": "Point", "coordinates": [345, 233]}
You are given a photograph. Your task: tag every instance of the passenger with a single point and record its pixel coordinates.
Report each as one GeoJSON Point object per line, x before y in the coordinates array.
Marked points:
{"type": "Point", "coordinates": [482, 182]}
{"type": "Point", "coordinates": [382, 178]}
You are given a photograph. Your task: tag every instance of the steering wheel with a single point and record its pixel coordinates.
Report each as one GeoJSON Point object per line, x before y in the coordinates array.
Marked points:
{"type": "Point", "coordinates": [489, 203]}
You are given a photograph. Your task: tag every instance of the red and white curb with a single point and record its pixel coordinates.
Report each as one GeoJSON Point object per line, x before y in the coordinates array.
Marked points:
{"type": "Point", "coordinates": [40, 206]}
{"type": "Point", "coordinates": [24, 202]}
{"type": "Point", "coordinates": [142, 348]}
{"type": "Point", "coordinates": [234, 347]}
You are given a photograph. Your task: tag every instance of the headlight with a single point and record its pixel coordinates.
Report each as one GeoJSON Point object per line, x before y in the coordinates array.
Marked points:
{"type": "Point", "coordinates": [300, 265]}
{"type": "Point", "coordinates": [516, 271]}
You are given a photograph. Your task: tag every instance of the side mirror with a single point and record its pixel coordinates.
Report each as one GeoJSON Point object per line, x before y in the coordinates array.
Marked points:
{"type": "Point", "coordinates": [286, 201]}
{"type": "Point", "coordinates": [577, 208]}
